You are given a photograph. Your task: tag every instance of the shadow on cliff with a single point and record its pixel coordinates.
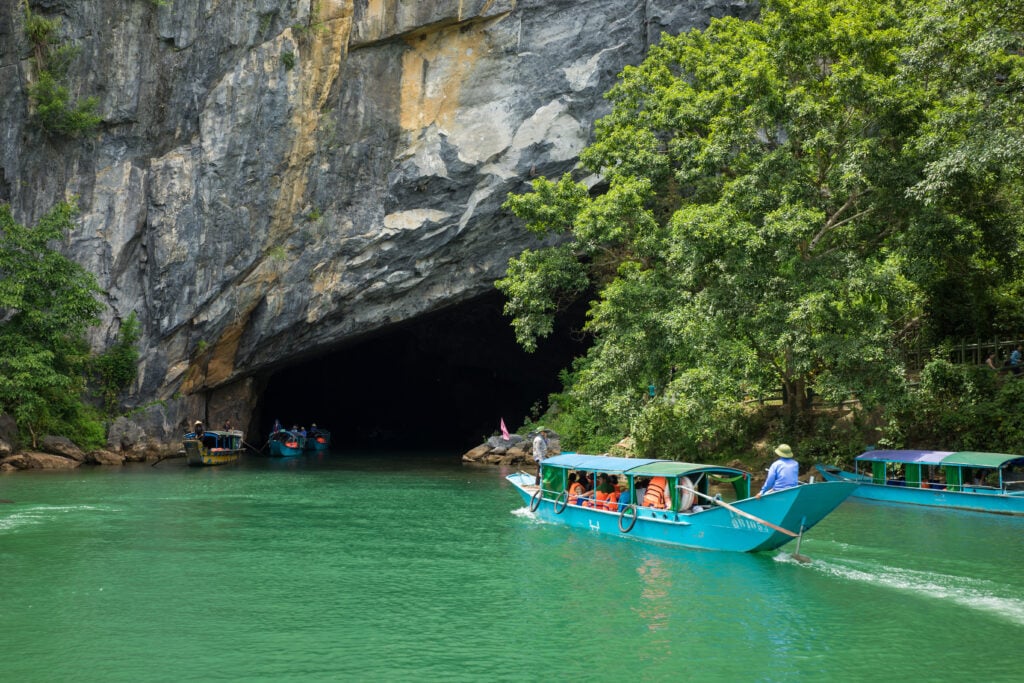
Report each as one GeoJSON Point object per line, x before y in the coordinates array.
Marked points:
{"type": "Point", "coordinates": [436, 383]}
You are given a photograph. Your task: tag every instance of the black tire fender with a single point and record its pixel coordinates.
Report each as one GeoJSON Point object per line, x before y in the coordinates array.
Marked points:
{"type": "Point", "coordinates": [626, 528]}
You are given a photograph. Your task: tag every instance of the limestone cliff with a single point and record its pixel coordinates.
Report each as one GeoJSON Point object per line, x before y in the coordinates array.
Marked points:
{"type": "Point", "coordinates": [273, 177]}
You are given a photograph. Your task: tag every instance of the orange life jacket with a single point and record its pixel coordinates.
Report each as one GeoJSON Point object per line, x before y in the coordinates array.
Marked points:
{"type": "Point", "coordinates": [657, 494]}
{"type": "Point", "coordinates": [575, 490]}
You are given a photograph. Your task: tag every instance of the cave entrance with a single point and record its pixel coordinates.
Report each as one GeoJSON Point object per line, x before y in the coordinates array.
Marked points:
{"type": "Point", "coordinates": [440, 382]}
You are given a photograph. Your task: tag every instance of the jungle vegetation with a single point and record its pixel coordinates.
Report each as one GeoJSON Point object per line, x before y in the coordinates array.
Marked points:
{"type": "Point", "coordinates": [789, 203]}
{"type": "Point", "coordinates": [47, 303]}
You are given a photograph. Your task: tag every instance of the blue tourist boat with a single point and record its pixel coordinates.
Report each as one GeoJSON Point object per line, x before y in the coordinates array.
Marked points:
{"type": "Point", "coordinates": [216, 447]}
{"type": "Point", "coordinates": [964, 480]}
{"type": "Point", "coordinates": [318, 439]}
{"type": "Point", "coordinates": [691, 513]}
{"type": "Point", "coordinates": [286, 443]}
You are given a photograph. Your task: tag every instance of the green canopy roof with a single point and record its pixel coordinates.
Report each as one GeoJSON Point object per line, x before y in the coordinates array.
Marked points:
{"type": "Point", "coordinates": [960, 458]}
{"type": "Point", "coordinates": [671, 468]}
{"type": "Point", "coordinates": [645, 467]}
{"type": "Point", "coordinates": [976, 459]}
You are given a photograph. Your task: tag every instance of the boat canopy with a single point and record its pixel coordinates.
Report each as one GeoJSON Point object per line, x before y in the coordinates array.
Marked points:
{"type": "Point", "coordinates": [958, 458]}
{"type": "Point", "coordinates": [641, 467]}
{"type": "Point", "coordinates": [671, 468]}
{"type": "Point", "coordinates": [603, 463]}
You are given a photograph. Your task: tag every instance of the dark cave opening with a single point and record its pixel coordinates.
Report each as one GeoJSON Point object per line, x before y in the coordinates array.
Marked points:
{"type": "Point", "coordinates": [436, 383]}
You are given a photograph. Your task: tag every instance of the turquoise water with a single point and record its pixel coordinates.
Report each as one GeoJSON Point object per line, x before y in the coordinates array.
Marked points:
{"type": "Point", "coordinates": [392, 568]}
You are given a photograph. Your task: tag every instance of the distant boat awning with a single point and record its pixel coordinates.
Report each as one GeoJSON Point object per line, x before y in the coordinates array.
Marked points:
{"type": "Point", "coordinates": [957, 458]}
{"type": "Point", "coordinates": [919, 457]}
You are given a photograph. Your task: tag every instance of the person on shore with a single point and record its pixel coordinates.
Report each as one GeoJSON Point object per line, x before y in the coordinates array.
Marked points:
{"type": "Point", "coordinates": [991, 362]}
{"type": "Point", "coordinates": [540, 450]}
{"type": "Point", "coordinates": [1016, 357]}
{"type": "Point", "coordinates": [783, 473]}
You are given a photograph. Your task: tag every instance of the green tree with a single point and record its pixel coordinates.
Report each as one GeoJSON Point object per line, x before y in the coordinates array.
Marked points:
{"type": "Point", "coordinates": [54, 111]}
{"type": "Point", "coordinates": [771, 214]}
{"type": "Point", "coordinates": [47, 302]}
{"type": "Point", "coordinates": [118, 367]}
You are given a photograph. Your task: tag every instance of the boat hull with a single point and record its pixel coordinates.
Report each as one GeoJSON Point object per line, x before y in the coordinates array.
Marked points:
{"type": "Point", "coordinates": [318, 443]}
{"type": "Point", "coordinates": [197, 455]}
{"type": "Point", "coordinates": [282, 450]}
{"type": "Point", "coordinates": [972, 498]}
{"type": "Point", "coordinates": [715, 528]}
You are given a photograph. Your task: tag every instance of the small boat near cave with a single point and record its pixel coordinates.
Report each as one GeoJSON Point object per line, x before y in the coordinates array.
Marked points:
{"type": "Point", "coordinates": [213, 447]}
{"type": "Point", "coordinates": [318, 439]}
{"type": "Point", "coordinates": [962, 480]}
{"type": "Point", "coordinates": [692, 513]}
{"type": "Point", "coordinates": [286, 443]}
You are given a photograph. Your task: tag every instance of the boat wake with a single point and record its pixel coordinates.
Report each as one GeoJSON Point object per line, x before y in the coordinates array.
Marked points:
{"type": "Point", "coordinates": [38, 515]}
{"type": "Point", "coordinates": [968, 592]}
{"type": "Point", "coordinates": [525, 512]}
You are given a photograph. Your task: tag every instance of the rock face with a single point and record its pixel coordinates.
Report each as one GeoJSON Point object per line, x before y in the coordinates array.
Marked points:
{"type": "Point", "coordinates": [274, 177]}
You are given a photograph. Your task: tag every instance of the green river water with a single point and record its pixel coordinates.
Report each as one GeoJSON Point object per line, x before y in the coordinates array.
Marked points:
{"type": "Point", "coordinates": [402, 567]}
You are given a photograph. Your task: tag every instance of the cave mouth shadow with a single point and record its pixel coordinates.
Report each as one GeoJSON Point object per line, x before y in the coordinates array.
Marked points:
{"type": "Point", "coordinates": [436, 383]}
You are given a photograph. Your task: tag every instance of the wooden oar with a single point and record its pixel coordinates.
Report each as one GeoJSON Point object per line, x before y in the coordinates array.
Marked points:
{"type": "Point", "coordinates": [743, 513]}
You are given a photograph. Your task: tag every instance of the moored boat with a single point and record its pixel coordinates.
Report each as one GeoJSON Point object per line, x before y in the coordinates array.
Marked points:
{"type": "Point", "coordinates": [213, 447]}
{"type": "Point", "coordinates": [690, 513]}
{"type": "Point", "coordinates": [286, 443]}
{"type": "Point", "coordinates": [318, 439]}
{"type": "Point", "coordinates": [963, 480]}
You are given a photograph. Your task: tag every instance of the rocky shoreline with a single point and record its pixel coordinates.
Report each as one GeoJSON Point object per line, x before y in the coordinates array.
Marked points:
{"type": "Point", "coordinates": [60, 453]}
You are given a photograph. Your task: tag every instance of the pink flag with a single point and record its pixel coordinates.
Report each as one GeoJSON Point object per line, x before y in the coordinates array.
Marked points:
{"type": "Point", "coordinates": [504, 430]}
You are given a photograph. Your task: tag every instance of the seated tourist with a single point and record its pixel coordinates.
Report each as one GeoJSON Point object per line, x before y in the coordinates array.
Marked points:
{"type": "Point", "coordinates": [575, 488]}
{"type": "Point", "coordinates": [658, 495]}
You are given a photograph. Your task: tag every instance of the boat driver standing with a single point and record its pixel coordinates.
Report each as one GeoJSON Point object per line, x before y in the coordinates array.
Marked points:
{"type": "Point", "coordinates": [540, 449]}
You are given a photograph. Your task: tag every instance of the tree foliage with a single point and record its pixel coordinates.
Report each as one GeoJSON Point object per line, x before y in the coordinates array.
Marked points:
{"type": "Point", "coordinates": [118, 366]}
{"type": "Point", "coordinates": [54, 111]}
{"type": "Point", "coordinates": [47, 302]}
{"type": "Point", "coordinates": [784, 202]}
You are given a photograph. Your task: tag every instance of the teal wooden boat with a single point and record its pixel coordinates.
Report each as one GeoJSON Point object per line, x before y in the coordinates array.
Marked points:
{"type": "Point", "coordinates": [318, 440]}
{"type": "Point", "coordinates": [691, 513]}
{"type": "Point", "coordinates": [962, 480]}
{"type": "Point", "coordinates": [213, 447]}
{"type": "Point", "coordinates": [286, 443]}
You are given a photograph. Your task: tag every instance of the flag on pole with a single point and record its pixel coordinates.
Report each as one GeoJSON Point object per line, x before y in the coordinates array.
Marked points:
{"type": "Point", "coordinates": [504, 430]}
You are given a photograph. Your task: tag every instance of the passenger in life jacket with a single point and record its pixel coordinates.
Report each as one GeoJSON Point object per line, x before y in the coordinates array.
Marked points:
{"type": "Point", "coordinates": [612, 501]}
{"type": "Point", "coordinates": [593, 497]}
{"type": "Point", "coordinates": [604, 492]}
{"type": "Point", "coordinates": [625, 498]}
{"type": "Point", "coordinates": [575, 488]}
{"type": "Point", "coordinates": [658, 495]}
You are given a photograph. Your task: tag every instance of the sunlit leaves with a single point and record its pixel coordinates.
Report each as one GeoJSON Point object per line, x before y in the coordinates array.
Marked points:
{"type": "Point", "coordinates": [782, 204]}
{"type": "Point", "coordinates": [47, 302]}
